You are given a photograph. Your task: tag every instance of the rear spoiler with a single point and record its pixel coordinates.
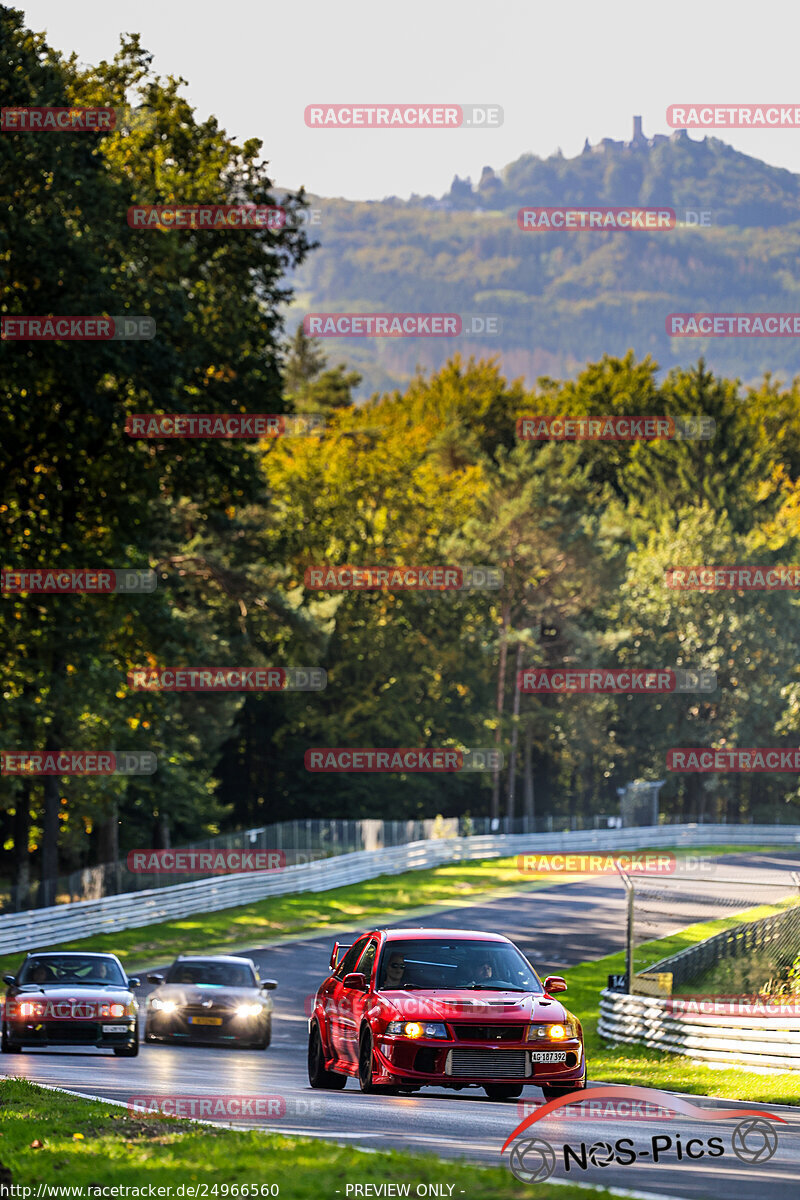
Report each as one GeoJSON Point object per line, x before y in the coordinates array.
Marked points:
{"type": "Point", "coordinates": [338, 952]}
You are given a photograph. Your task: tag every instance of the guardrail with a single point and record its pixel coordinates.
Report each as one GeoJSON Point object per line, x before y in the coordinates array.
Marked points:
{"type": "Point", "coordinates": [38, 928]}
{"type": "Point", "coordinates": [769, 1043]}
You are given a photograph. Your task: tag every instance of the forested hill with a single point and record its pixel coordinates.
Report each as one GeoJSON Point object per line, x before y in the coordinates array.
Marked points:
{"type": "Point", "coordinates": [568, 296]}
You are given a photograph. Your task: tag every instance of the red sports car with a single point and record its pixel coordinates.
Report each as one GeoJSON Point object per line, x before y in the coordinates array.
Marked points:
{"type": "Point", "coordinates": [411, 1008]}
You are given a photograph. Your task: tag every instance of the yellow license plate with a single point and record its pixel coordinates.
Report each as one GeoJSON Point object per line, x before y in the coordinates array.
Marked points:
{"type": "Point", "coordinates": [205, 1020]}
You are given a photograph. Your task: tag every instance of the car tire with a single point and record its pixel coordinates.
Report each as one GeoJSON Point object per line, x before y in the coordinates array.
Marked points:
{"type": "Point", "coordinates": [318, 1074]}
{"type": "Point", "coordinates": [503, 1091]}
{"type": "Point", "coordinates": [366, 1064]}
{"type": "Point", "coordinates": [267, 1038]}
{"type": "Point", "coordinates": [7, 1046]}
{"type": "Point", "coordinates": [127, 1051]}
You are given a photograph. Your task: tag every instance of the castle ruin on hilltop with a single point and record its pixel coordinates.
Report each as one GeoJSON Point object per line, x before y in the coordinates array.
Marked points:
{"type": "Point", "coordinates": [637, 142]}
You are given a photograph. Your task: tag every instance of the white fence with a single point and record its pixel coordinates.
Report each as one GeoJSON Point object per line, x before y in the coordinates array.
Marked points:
{"type": "Point", "coordinates": [38, 928]}
{"type": "Point", "coordinates": [765, 1042]}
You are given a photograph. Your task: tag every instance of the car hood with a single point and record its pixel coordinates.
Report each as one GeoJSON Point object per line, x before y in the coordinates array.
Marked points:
{"type": "Point", "coordinates": [220, 997]}
{"type": "Point", "coordinates": [481, 1007]}
{"type": "Point", "coordinates": [61, 992]}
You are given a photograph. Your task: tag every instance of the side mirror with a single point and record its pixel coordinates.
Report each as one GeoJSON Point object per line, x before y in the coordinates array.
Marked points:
{"type": "Point", "coordinates": [154, 978]}
{"type": "Point", "coordinates": [10, 979]}
{"type": "Point", "coordinates": [268, 985]}
{"type": "Point", "coordinates": [555, 983]}
{"type": "Point", "coordinates": [134, 981]}
{"type": "Point", "coordinates": [355, 982]}
{"type": "Point", "coordinates": [337, 953]}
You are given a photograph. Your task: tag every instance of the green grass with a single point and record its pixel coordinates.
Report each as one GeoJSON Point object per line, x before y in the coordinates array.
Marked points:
{"type": "Point", "coordinates": [658, 1069]}
{"type": "Point", "coordinates": [85, 1142]}
{"type": "Point", "coordinates": [356, 905]}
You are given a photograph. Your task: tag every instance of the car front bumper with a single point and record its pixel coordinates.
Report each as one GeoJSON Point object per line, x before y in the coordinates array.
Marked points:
{"type": "Point", "coordinates": [440, 1063]}
{"type": "Point", "coordinates": [233, 1029]}
{"type": "Point", "coordinates": [73, 1033]}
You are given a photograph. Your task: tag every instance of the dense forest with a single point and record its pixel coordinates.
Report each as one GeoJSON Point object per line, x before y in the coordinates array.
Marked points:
{"type": "Point", "coordinates": [429, 474]}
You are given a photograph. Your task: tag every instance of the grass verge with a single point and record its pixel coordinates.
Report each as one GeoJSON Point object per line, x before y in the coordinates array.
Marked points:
{"type": "Point", "coordinates": [658, 1069]}
{"type": "Point", "coordinates": [355, 905]}
{"type": "Point", "coordinates": [48, 1137]}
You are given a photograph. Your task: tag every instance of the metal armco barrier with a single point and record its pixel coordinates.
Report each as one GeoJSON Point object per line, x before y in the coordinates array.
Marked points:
{"type": "Point", "coordinates": [771, 1043]}
{"type": "Point", "coordinates": [37, 928]}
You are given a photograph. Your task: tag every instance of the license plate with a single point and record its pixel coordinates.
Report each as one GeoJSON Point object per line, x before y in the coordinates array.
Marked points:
{"type": "Point", "coordinates": [115, 1029]}
{"type": "Point", "coordinates": [205, 1020]}
{"type": "Point", "coordinates": [549, 1056]}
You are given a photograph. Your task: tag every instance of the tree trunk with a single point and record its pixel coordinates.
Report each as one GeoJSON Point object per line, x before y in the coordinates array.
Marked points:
{"type": "Point", "coordinates": [21, 835]}
{"type": "Point", "coordinates": [49, 857]}
{"type": "Point", "coordinates": [108, 850]}
{"type": "Point", "coordinates": [530, 812]}
{"type": "Point", "coordinates": [512, 758]}
{"type": "Point", "coordinates": [501, 692]}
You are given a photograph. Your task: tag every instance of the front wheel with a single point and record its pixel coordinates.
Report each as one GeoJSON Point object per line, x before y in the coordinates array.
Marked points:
{"type": "Point", "coordinates": [127, 1051]}
{"type": "Point", "coordinates": [6, 1046]}
{"type": "Point", "coordinates": [318, 1074]}
{"type": "Point", "coordinates": [366, 1067]}
{"type": "Point", "coordinates": [267, 1038]}
{"type": "Point", "coordinates": [503, 1091]}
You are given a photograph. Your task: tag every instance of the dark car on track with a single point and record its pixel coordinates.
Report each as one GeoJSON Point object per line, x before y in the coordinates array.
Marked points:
{"type": "Point", "coordinates": [213, 998]}
{"type": "Point", "coordinates": [75, 999]}
{"type": "Point", "coordinates": [411, 1008]}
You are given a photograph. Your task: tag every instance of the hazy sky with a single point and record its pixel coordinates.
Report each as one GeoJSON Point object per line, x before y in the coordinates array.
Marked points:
{"type": "Point", "coordinates": [561, 72]}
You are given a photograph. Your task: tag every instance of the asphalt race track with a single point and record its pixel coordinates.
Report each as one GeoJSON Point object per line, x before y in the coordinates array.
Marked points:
{"type": "Point", "coordinates": [555, 927]}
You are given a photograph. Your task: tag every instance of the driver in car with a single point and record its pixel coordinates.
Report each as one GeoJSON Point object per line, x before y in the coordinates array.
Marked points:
{"type": "Point", "coordinates": [484, 972]}
{"type": "Point", "coordinates": [395, 971]}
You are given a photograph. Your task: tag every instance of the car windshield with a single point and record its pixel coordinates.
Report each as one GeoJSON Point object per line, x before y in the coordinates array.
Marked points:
{"type": "Point", "coordinates": [456, 964]}
{"type": "Point", "coordinates": [78, 969]}
{"type": "Point", "coordinates": [212, 974]}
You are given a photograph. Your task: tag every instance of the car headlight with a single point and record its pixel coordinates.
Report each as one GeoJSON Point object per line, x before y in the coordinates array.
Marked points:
{"type": "Point", "coordinates": [29, 1008]}
{"type": "Point", "coordinates": [417, 1029]}
{"type": "Point", "coordinates": [556, 1032]}
{"type": "Point", "coordinates": [166, 1006]}
{"type": "Point", "coordinates": [116, 1010]}
{"type": "Point", "coordinates": [248, 1010]}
